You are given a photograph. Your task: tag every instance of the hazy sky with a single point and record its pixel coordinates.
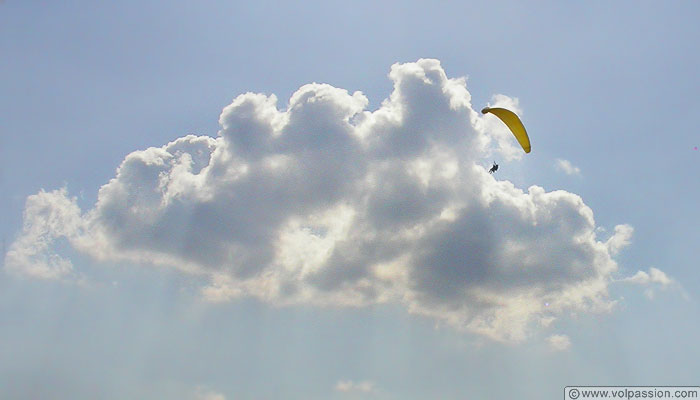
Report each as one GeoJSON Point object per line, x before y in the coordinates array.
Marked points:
{"type": "Point", "coordinates": [225, 200]}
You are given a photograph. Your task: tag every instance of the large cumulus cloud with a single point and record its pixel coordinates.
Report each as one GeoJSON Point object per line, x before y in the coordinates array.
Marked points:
{"type": "Point", "coordinates": [325, 202]}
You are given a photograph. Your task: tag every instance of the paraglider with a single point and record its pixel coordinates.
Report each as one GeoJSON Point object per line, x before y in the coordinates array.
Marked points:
{"type": "Point", "coordinates": [513, 123]}
{"type": "Point", "coordinates": [494, 168]}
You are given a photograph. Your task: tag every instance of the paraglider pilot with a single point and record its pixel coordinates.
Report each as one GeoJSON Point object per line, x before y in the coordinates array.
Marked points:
{"type": "Point", "coordinates": [494, 168]}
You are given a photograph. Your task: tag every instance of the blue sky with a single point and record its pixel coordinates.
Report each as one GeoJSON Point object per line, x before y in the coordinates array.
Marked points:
{"type": "Point", "coordinates": [346, 248]}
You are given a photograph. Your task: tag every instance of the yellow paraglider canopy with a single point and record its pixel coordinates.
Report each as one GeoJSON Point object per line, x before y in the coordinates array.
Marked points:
{"type": "Point", "coordinates": [514, 124]}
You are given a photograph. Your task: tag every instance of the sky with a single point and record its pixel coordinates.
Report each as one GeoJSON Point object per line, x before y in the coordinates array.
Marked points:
{"type": "Point", "coordinates": [229, 200]}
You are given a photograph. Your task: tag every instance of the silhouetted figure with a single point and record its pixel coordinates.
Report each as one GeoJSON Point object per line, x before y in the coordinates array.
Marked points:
{"type": "Point", "coordinates": [494, 168]}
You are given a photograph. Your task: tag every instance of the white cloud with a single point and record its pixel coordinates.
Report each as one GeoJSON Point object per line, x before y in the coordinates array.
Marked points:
{"type": "Point", "coordinates": [325, 202]}
{"type": "Point", "coordinates": [203, 393]}
{"type": "Point", "coordinates": [350, 386]}
{"type": "Point", "coordinates": [654, 279]}
{"type": "Point", "coordinates": [559, 342]}
{"type": "Point", "coordinates": [621, 238]}
{"type": "Point", "coordinates": [47, 217]}
{"type": "Point", "coordinates": [566, 167]}
{"type": "Point", "coordinates": [653, 276]}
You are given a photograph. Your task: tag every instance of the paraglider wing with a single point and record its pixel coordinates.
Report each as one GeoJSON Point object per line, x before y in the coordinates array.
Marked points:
{"type": "Point", "coordinates": [514, 124]}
